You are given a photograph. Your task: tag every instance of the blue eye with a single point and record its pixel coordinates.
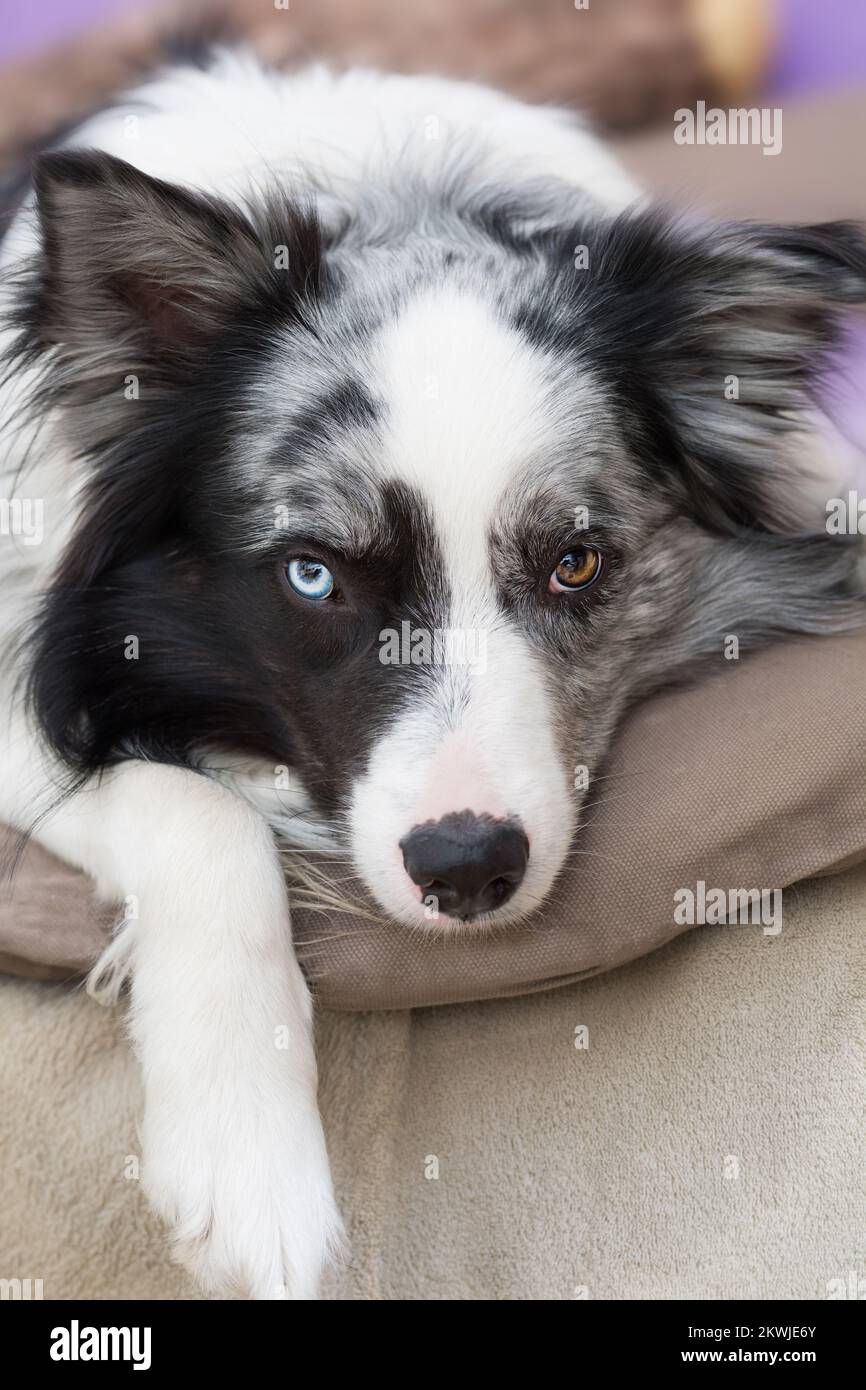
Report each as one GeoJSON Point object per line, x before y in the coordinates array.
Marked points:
{"type": "Point", "coordinates": [310, 578]}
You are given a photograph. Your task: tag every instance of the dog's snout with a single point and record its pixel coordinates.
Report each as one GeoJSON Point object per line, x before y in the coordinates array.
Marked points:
{"type": "Point", "coordinates": [470, 864]}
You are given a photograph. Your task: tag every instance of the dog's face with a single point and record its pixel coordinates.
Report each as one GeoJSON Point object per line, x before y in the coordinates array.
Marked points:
{"type": "Point", "coordinates": [418, 516]}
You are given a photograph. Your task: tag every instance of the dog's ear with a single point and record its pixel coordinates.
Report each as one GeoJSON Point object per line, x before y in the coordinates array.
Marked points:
{"type": "Point", "coordinates": [133, 266]}
{"type": "Point", "coordinates": [719, 338]}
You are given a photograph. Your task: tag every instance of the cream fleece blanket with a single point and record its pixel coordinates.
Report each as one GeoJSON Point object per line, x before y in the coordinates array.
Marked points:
{"type": "Point", "coordinates": [707, 1143]}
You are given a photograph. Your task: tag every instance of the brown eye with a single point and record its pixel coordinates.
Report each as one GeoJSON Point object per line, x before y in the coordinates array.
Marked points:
{"type": "Point", "coordinates": [576, 570]}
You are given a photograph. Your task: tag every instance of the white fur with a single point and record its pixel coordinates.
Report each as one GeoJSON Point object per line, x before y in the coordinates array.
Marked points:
{"type": "Point", "coordinates": [233, 1151]}
{"type": "Point", "coordinates": [515, 768]}
{"type": "Point", "coordinates": [230, 127]}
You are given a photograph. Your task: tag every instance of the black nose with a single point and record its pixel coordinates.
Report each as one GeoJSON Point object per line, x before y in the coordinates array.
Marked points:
{"type": "Point", "coordinates": [469, 864]}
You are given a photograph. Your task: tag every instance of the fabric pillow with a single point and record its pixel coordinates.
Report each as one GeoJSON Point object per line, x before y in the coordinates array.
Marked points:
{"type": "Point", "coordinates": [751, 780]}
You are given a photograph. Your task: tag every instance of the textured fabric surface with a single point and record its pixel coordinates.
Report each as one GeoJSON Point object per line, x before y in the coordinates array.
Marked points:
{"type": "Point", "coordinates": [754, 778]}
{"type": "Point", "coordinates": [707, 1143]}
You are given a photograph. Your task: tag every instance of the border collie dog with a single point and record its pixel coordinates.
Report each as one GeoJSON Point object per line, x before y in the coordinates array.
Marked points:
{"type": "Point", "coordinates": [291, 362]}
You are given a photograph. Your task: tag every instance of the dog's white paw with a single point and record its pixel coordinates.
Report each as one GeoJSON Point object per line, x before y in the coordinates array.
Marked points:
{"type": "Point", "coordinates": [248, 1198]}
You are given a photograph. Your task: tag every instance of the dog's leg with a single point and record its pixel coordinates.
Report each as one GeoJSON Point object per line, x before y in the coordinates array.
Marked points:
{"type": "Point", "coordinates": [233, 1152]}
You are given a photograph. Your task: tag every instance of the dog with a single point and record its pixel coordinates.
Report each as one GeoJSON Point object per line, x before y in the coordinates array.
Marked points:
{"type": "Point", "coordinates": [291, 362]}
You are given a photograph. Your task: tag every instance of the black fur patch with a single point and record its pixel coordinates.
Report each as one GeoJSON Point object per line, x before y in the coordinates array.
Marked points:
{"type": "Point", "coordinates": [160, 637]}
{"type": "Point", "coordinates": [665, 314]}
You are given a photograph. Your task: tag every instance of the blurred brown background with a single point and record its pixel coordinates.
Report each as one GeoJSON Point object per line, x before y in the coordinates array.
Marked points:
{"type": "Point", "coordinates": [624, 62]}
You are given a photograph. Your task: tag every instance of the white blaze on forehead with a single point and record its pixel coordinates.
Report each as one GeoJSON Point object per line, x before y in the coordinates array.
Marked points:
{"type": "Point", "coordinates": [468, 402]}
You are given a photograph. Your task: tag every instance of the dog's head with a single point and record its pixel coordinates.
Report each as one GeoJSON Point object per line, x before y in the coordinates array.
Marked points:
{"type": "Point", "coordinates": [415, 506]}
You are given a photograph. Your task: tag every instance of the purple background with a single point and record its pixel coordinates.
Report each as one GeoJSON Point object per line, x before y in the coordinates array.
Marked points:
{"type": "Point", "coordinates": [821, 42]}
{"type": "Point", "coordinates": [28, 25]}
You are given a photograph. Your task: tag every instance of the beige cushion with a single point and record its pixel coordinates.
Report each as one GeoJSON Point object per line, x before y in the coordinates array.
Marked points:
{"type": "Point", "coordinates": [753, 779]}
